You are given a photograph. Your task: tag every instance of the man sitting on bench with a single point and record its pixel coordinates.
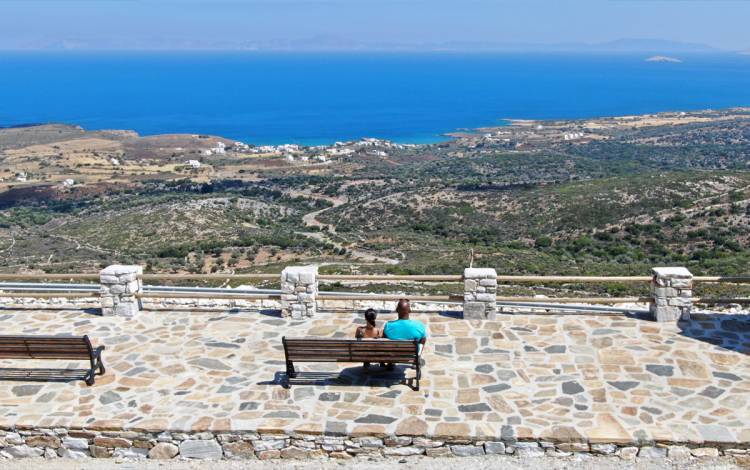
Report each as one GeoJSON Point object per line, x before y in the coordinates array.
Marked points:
{"type": "Point", "coordinates": [404, 328]}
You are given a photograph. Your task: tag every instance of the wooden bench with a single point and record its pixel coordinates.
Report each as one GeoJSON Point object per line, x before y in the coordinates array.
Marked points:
{"type": "Point", "coordinates": [54, 347]}
{"type": "Point", "coordinates": [350, 350]}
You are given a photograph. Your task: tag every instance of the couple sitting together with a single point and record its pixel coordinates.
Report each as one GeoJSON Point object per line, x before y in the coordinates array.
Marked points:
{"type": "Point", "coordinates": [402, 329]}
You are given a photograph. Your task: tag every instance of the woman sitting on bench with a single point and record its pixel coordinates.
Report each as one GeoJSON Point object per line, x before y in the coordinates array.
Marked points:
{"type": "Point", "coordinates": [370, 330]}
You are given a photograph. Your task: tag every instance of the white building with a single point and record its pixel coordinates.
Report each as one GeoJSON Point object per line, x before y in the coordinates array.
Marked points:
{"type": "Point", "coordinates": [573, 136]}
{"type": "Point", "coordinates": [220, 148]}
{"type": "Point", "coordinates": [115, 161]}
{"type": "Point", "coordinates": [340, 151]}
{"type": "Point", "coordinates": [193, 164]}
{"type": "Point", "coordinates": [68, 183]}
{"type": "Point", "coordinates": [21, 176]}
{"type": "Point", "coordinates": [288, 148]}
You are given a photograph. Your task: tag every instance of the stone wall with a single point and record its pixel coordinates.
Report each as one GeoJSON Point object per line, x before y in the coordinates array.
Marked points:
{"type": "Point", "coordinates": [81, 444]}
{"type": "Point", "coordinates": [299, 287]}
{"type": "Point", "coordinates": [119, 286]}
{"type": "Point", "coordinates": [672, 290]}
{"type": "Point", "coordinates": [480, 293]}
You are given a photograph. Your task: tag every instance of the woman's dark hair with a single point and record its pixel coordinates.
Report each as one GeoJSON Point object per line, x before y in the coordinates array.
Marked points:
{"type": "Point", "coordinates": [370, 316]}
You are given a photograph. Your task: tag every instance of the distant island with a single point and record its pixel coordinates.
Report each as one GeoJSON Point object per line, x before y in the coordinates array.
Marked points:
{"type": "Point", "coordinates": [661, 58]}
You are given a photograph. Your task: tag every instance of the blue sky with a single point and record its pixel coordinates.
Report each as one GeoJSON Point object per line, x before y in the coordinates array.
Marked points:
{"type": "Point", "coordinates": [186, 24]}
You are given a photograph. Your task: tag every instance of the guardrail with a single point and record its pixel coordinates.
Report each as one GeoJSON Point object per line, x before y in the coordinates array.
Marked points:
{"type": "Point", "coordinates": [369, 277]}
{"type": "Point", "coordinates": [207, 277]}
{"type": "Point", "coordinates": [70, 277]}
{"type": "Point", "coordinates": [72, 290]}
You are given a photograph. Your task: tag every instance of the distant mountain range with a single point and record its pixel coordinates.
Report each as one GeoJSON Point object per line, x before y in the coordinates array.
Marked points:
{"type": "Point", "coordinates": [333, 42]}
{"type": "Point", "coordinates": [649, 45]}
{"type": "Point", "coordinates": [620, 45]}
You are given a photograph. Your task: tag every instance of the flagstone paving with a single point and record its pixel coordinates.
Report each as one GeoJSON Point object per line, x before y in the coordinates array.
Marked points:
{"type": "Point", "coordinates": [612, 379]}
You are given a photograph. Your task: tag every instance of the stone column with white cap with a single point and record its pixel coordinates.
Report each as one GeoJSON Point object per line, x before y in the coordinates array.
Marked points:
{"type": "Point", "coordinates": [480, 293]}
{"type": "Point", "coordinates": [299, 288]}
{"type": "Point", "coordinates": [672, 291]}
{"type": "Point", "coordinates": [119, 289]}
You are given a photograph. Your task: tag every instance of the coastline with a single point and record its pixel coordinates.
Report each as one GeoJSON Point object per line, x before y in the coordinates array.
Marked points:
{"type": "Point", "coordinates": [434, 139]}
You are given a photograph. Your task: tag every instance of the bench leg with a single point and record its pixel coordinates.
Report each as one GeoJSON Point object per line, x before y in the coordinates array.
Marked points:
{"type": "Point", "coordinates": [419, 374]}
{"type": "Point", "coordinates": [90, 377]}
{"type": "Point", "coordinates": [92, 373]}
{"type": "Point", "coordinates": [290, 372]}
{"type": "Point", "coordinates": [96, 364]}
{"type": "Point", "coordinates": [100, 366]}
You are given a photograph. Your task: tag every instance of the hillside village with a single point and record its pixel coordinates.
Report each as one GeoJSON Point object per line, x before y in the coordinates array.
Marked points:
{"type": "Point", "coordinates": [87, 156]}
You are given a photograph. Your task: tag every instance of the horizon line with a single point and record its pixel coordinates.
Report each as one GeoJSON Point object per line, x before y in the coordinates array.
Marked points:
{"type": "Point", "coordinates": [532, 50]}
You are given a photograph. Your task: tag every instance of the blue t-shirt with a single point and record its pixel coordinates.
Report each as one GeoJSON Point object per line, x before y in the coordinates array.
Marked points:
{"type": "Point", "coordinates": [407, 330]}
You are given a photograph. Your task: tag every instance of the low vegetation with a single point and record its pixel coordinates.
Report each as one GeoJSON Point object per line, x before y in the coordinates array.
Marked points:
{"type": "Point", "coordinates": [618, 202]}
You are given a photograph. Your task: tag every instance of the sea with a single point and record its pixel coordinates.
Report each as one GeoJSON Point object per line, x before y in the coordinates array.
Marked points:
{"type": "Point", "coordinates": [320, 98]}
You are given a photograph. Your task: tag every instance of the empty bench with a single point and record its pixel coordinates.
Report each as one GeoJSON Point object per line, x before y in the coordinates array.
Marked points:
{"type": "Point", "coordinates": [350, 350]}
{"type": "Point", "coordinates": [53, 348]}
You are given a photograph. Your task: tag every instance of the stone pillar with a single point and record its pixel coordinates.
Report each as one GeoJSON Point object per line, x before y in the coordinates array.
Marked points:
{"type": "Point", "coordinates": [672, 291]}
{"type": "Point", "coordinates": [480, 293]}
{"type": "Point", "coordinates": [299, 288]}
{"type": "Point", "coordinates": [119, 286]}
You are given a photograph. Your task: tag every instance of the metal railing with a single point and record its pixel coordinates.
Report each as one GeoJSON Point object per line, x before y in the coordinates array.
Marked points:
{"type": "Point", "coordinates": [73, 290]}
{"type": "Point", "coordinates": [369, 277]}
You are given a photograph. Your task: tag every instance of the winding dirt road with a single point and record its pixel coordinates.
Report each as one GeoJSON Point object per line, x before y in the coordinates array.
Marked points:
{"type": "Point", "coordinates": [311, 220]}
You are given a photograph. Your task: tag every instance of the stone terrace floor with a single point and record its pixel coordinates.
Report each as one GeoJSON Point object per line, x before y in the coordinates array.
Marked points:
{"type": "Point", "coordinates": [607, 378]}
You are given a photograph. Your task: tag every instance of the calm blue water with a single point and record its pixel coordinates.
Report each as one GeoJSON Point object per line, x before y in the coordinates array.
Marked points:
{"type": "Point", "coordinates": [321, 98]}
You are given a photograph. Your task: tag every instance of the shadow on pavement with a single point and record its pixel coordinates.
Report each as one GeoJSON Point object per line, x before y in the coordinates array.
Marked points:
{"type": "Point", "coordinates": [42, 375]}
{"type": "Point", "coordinates": [730, 332]}
{"type": "Point", "coordinates": [374, 376]}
